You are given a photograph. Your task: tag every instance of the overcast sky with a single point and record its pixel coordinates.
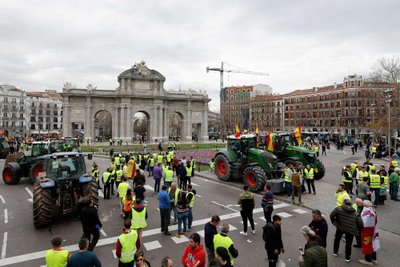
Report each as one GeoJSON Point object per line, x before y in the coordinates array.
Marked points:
{"type": "Point", "coordinates": [301, 44]}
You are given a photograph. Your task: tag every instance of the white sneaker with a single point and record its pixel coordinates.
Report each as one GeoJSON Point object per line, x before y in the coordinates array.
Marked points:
{"type": "Point", "coordinates": [243, 233]}
{"type": "Point", "coordinates": [253, 232]}
{"type": "Point", "coordinates": [366, 263]}
{"type": "Point", "coordinates": [335, 255]}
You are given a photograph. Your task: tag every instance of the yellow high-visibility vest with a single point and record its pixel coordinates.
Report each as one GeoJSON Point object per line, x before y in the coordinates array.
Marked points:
{"type": "Point", "coordinates": [128, 246]}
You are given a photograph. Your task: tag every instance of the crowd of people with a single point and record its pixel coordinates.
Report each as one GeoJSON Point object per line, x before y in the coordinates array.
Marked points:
{"type": "Point", "coordinates": [126, 176]}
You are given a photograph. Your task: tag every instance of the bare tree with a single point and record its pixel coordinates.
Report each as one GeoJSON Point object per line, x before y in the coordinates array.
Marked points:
{"type": "Point", "coordinates": [386, 70]}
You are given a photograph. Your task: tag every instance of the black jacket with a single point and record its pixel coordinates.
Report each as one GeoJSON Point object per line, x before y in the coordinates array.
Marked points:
{"type": "Point", "coordinates": [272, 235]}
{"type": "Point", "coordinates": [321, 229]}
{"type": "Point", "coordinates": [90, 218]}
{"type": "Point", "coordinates": [209, 232]}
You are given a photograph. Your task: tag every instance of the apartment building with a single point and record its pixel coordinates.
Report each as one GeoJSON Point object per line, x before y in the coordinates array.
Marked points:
{"type": "Point", "coordinates": [13, 111]}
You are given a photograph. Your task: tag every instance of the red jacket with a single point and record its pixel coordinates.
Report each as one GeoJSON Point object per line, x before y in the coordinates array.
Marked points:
{"type": "Point", "coordinates": [194, 258]}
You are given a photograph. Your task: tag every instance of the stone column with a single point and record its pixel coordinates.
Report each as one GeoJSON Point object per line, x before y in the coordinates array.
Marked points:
{"type": "Point", "coordinates": [66, 116]}
{"type": "Point", "coordinates": [189, 122]}
{"type": "Point", "coordinates": [204, 123]}
{"type": "Point", "coordinates": [115, 123]}
{"type": "Point", "coordinates": [166, 124]}
{"type": "Point", "coordinates": [128, 123]}
{"type": "Point", "coordinates": [122, 122]}
{"type": "Point", "coordinates": [88, 126]}
{"type": "Point", "coordinates": [154, 129]}
{"type": "Point", "coordinates": [123, 85]}
{"type": "Point", "coordinates": [160, 122]}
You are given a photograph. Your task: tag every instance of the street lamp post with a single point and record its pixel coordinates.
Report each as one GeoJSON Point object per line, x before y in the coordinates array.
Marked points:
{"type": "Point", "coordinates": [388, 101]}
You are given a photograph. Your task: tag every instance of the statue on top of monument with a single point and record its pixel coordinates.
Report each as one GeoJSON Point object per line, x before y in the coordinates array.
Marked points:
{"type": "Point", "coordinates": [67, 87]}
{"type": "Point", "coordinates": [90, 87]}
{"type": "Point", "coordinates": [141, 68]}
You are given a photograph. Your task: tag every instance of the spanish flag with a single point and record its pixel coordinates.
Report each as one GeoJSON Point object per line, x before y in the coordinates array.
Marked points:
{"type": "Point", "coordinates": [257, 130]}
{"type": "Point", "coordinates": [297, 135]}
{"type": "Point", "coordinates": [237, 131]}
{"type": "Point", "coordinates": [269, 144]}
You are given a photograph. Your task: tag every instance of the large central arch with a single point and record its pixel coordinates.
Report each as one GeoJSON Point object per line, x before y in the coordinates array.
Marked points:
{"type": "Point", "coordinates": [140, 90]}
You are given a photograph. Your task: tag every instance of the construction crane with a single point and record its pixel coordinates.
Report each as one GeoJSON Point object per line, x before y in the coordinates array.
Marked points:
{"type": "Point", "coordinates": [222, 70]}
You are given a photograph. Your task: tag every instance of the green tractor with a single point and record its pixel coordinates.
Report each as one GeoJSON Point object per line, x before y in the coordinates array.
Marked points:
{"type": "Point", "coordinates": [287, 152]}
{"type": "Point", "coordinates": [241, 159]}
{"type": "Point", "coordinates": [18, 165]}
{"type": "Point", "coordinates": [61, 186]}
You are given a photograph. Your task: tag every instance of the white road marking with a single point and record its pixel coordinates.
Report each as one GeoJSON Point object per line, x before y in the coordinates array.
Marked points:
{"type": "Point", "coordinates": [262, 218]}
{"type": "Point", "coordinates": [232, 228]}
{"type": "Point", "coordinates": [103, 233]}
{"type": "Point", "coordinates": [4, 247]}
{"type": "Point", "coordinates": [300, 211]}
{"type": "Point", "coordinates": [152, 245]}
{"type": "Point", "coordinates": [225, 206]}
{"type": "Point", "coordinates": [201, 233]}
{"type": "Point", "coordinates": [149, 187]}
{"type": "Point", "coordinates": [179, 240]}
{"type": "Point", "coordinates": [195, 184]}
{"type": "Point", "coordinates": [5, 216]}
{"type": "Point", "coordinates": [114, 252]}
{"type": "Point", "coordinates": [2, 199]}
{"type": "Point", "coordinates": [30, 194]}
{"type": "Point", "coordinates": [284, 214]}
{"type": "Point", "coordinates": [198, 196]}
{"type": "Point", "coordinates": [112, 240]}
{"type": "Point", "coordinates": [254, 223]}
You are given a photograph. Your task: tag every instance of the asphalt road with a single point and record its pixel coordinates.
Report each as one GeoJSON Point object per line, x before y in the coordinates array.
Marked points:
{"type": "Point", "coordinates": [23, 245]}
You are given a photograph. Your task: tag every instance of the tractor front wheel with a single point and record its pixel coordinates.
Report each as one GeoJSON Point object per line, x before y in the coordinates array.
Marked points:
{"type": "Point", "coordinates": [223, 168]}
{"type": "Point", "coordinates": [41, 207]}
{"type": "Point", "coordinates": [10, 174]}
{"type": "Point", "coordinates": [254, 177]}
{"type": "Point", "coordinates": [35, 170]}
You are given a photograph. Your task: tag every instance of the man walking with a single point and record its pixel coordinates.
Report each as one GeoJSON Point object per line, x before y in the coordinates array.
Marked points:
{"type": "Point", "coordinates": [210, 230]}
{"type": "Point", "coordinates": [296, 186]}
{"type": "Point", "coordinates": [288, 179]}
{"type": "Point", "coordinates": [347, 223]}
{"type": "Point", "coordinates": [194, 255]}
{"type": "Point", "coordinates": [272, 236]}
{"type": "Point", "coordinates": [91, 224]}
{"type": "Point", "coordinates": [157, 175]}
{"type": "Point", "coordinates": [173, 194]}
{"type": "Point", "coordinates": [247, 203]}
{"type": "Point", "coordinates": [83, 258]}
{"type": "Point", "coordinates": [164, 203]}
{"type": "Point", "coordinates": [107, 183]}
{"type": "Point", "coordinates": [267, 203]}
{"type": "Point", "coordinates": [191, 198]}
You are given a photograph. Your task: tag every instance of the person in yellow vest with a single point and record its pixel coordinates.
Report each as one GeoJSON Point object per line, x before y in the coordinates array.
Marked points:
{"type": "Point", "coordinates": [130, 169]}
{"type": "Point", "coordinates": [384, 184]}
{"type": "Point", "coordinates": [118, 178]}
{"type": "Point", "coordinates": [211, 165]}
{"type": "Point", "coordinates": [361, 175]}
{"type": "Point", "coordinates": [188, 176]}
{"type": "Point", "coordinates": [371, 168]}
{"type": "Point", "coordinates": [122, 190]}
{"type": "Point", "coordinates": [191, 197]}
{"type": "Point", "coordinates": [173, 193]}
{"type": "Point", "coordinates": [375, 185]}
{"type": "Point", "coordinates": [160, 158]}
{"type": "Point", "coordinates": [393, 162]}
{"type": "Point", "coordinates": [316, 149]}
{"type": "Point", "coordinates": [106, 182]}
{"type": "Point", "coordinates": [112, 179]}
{"type": "Point", "coordinates": [340, 195]}
{"type": "Point", "coordinates": [95, 174]}
{"type": "Point", "coordinates": [373, 150]}
{"type": "Point", "coordinates": [127, 204]}
{"type": "Point", "coordinates": [347, 179]}
{"type": "Point", "coordinates": [117, 162]}
{"type": "Point", "coordinates": [309, 177]}
{"type": "Point", "coordinates": [57, 256]}
{"type": "Point", "coordinates": [287, 172]}
{"type": "Point", "coordinates": [127, 244]}
{"type": "Point", "coordinates": [168, 176]}
{"type": "Point", "coordinates": [169, 158]}
{"type": "Point", "coordinates": [139, 217]}
{"type": "Point", "coordinates": [222, 240]}
{"type": "Point", "coordinates": [353, 166]}
{"type": "Point", "coordinates": [151, 165]}
{"type": "Point", "coordinates": [193, 165]}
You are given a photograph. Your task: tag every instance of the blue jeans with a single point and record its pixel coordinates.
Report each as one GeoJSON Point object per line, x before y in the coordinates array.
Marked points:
{"type": "Point", "coordinates": [190, 218]}
{"type": "Point", "coordinates": [182, 217]}
{"type": "Point", "coordinates": [173, 208]}
{"type": "Point", "coordinates": [394, 190]}
{"type": "Point", "coordinates": [288, 186]}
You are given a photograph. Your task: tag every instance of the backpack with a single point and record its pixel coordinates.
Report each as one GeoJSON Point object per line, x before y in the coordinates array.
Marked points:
{"type": "Point", "coordinates": [128, 205]}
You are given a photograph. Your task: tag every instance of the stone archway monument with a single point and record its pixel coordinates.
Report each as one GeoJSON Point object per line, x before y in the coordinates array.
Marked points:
{"type": "Point", "coordinates": [140, 90]}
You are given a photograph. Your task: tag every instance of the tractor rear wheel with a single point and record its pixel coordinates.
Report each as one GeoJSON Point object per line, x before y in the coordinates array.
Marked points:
{"type": "Point", "coordinates": [35, 170]}
{"type": "Point", "coordinates": [94, 193]}
{"type": "Point", "coordinates": [41, 207]}
{"type": "Point", "coordinates": [254, 177]}
{"type": "Point", "coordinates": [10, 175]}
{"type": "Point", "coordinates": [223, 168]}
{"type": "Point", "coordinates": [321, 171]}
